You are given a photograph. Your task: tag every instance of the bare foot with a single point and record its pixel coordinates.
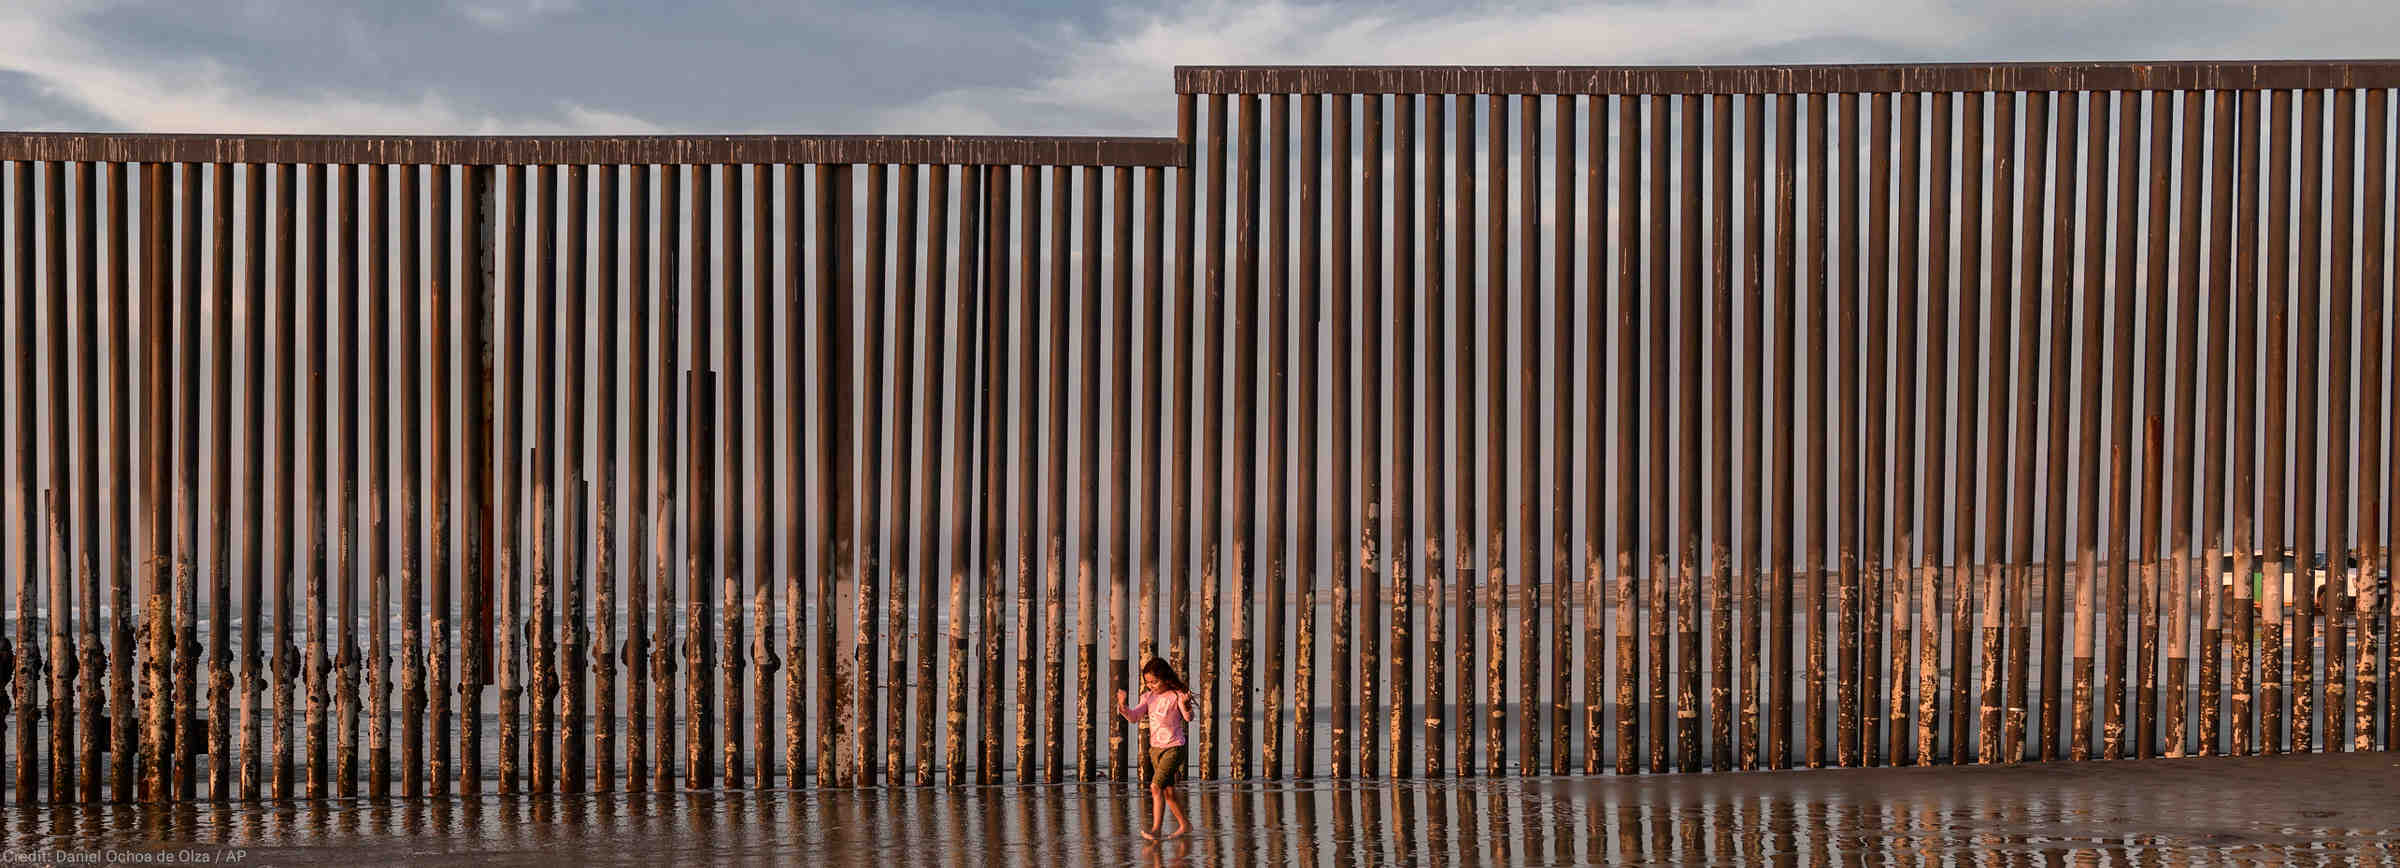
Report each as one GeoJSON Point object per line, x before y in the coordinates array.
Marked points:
{"type": "Point", "coordinates": [1147, 836]}
{"type": "Point", "coordinates": [1179, 830]}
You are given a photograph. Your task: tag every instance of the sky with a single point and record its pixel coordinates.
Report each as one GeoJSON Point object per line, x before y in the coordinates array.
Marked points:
{"type": "Point", "coordinates": [1078, 67]}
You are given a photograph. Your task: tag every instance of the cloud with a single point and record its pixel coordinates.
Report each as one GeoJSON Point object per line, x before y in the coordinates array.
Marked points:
{"type": "Point", "coordinates": [511, 14]}
{"type": "Point", "coordinates": [1118, 81]}
{"type": "Point", "coordinates": [1117, 78]}
{"type": "Point", "coordinates": [950, 66]}
{"type": "Point", "coordinates": [195, 91]}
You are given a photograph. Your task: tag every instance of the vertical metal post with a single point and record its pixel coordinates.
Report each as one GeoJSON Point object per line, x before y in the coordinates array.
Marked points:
{"type": "Point", "coordinates": [508, 322]}
{"type": "Point", "coordinates": [730, 519]}
{"type": "Point", "coordinates": [412, 313]}
{"type": "Point", "coordinates": [478, 245]}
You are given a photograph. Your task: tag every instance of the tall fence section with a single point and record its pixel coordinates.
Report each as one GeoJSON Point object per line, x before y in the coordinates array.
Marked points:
{"type": "Point", "coordinates": [1435, 422]}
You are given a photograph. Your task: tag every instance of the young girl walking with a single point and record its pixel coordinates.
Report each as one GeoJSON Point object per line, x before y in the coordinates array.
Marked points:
{"type": "Point", "coordinates": [1167, 704]}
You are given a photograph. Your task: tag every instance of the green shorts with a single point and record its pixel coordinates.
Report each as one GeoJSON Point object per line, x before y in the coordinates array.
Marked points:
{"type": "Point", "coordinates": [1165, 766]}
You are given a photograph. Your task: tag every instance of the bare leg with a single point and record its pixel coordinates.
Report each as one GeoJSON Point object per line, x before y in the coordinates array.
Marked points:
{"type": "Point", "coordinates": [1175, 806]}
{"type": "Point", "coordinates": [1158, 802]}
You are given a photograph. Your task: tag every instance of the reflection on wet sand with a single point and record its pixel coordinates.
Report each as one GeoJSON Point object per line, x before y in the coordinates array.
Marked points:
{"type": "Point", "coordinates": [2324, 809]}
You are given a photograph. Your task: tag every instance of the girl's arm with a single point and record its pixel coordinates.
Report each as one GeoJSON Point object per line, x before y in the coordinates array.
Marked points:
{"type": "Point", "coordinates": [1186, 702]}
{"type": "Point", "coordinates": [1132, 713]}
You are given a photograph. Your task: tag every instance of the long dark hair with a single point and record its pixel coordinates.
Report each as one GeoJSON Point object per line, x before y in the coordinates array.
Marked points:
{"type": "Point", "coordinates": [1168, 681]}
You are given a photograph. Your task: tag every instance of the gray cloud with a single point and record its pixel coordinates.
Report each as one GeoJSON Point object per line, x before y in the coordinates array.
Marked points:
{"type": "Point", "coordinates": [953, 66]}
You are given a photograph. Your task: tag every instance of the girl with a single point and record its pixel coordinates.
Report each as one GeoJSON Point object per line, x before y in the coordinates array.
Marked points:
{"type": "Point", "coordinates": [1167, 704]}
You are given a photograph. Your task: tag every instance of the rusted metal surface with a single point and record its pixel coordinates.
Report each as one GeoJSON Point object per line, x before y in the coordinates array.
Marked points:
{"type": "Point", "coordinates": [540, 620]}
{"type": "Point", "coordinates": [992, 405]}
{"type": "Point", "coordinates": [2243, 332]}
{"type": "Point", "coordinates": [150, 487]}
{"type": "Point", "coordinates": [1050, 498]}
{"type": "Point", "coordinates": [699, 642]}
{"type": "Point", "coordinates": [2336, 482]}
{"type": "Point", "coordinates": [2367, 628]}
{"type": "Point", "coordinates": [1911, 535]}
{"type": "Point", "coordinates": [1782, 491]}
{"type": "Point", "coordinates": [1145, 642]}
{"type": "Point", "coordinates": [1241, 370]}
{"type": "Point", "coordinates": [1025, 707]}
{"type": "Point", "coordinates": [60, 661]}
{"type": "Point", "coordinates": [1992, 742]}
{"type": "Point", "coordinates": [250, 685]}
{"type": "Point", "coordinates": [1596, 453]}
{"type": "Point", "coordinates": [57, 663]}
{"type": "Point", "coordinates": [1828, 78]}
{"type": "Point", "coordinates": [1470, 700]}
{"type": "Point", "coordinates": [664, 267]}
{"type": "Point", "coordinates": [1875, 387]}
{"type": "Point", "coordinates": [2216, 411]}
{"type": "Point", "coordinates": [642, 311]}
{"type": "Point", "coordinates": [1710, 515]}
{"type": "Point", "coordinates": [1175, 626]}
{"type": "Point", "coordinates": [1847, 528]}
{"type": "Point", "coordinates": [1721, 604]}
{"type": "Point", "coordinates": [1339, 576]}
{"type": "Point", "coordinates": [2184, 365]}
{"type": "Point", "coordinates": [704, 526]}
{"type": "Point", "coordinates": [1271, 529]}
{"type": "Point", "coordinates": [436, 686]}
{"type": "Point", "coordinates": [2022, 489]}
{"type": "Point", "coordinates": [2306, 492]}
{"type": "Point", "coordinates": [797, 199]}
{"type": "Point", "coordinates": [509, 637]}
{"type": "Point", "coordinates": [2119, 430]}
{"type": "Point", "coordinates": [959, 563]}
{"type": "Point", "coordinates": [1105, 655]}
{"type": "Point", "coordinates": [189, 736]}
{"type": "Point", "coordinates": [98, 278]}
{"type": "Point", "coordinates": [1753, 546]}
{"type": "Point", "coordinates": [2274, 531]}
{"type": "Point", "coordinates": [1562, 456]}
{"type": "Point", "coordinates": [730, 519]}
{"type": "Point", "coordinates": [478, 267]}
{"type": "Point", "coordinates": [906, 257]}
{"type": "Point", "coordinates": [2057, 644]}
{"type": "Point", "coordinates": [1536, 572]}
{"type": "Point", "coordinates": [410, 559]}
{"type": "Point", "coordinates": [943, 489]}
{"type": "Point", "coordinates": [1967, 275]}
{"type": "Point", "coordinates": [19, 656]}
{"type": "Point", "coordinates": [2154, 411]}
{"type": "Point", "coordinates": [594, 150]}
{"type": "Point", "coordinates": [1371, 592]}
{"type": "Point", "coordinates": [2372, 263]}
{"type": "Point", "coordinates": [1496, 552]}
{"type": "Point", "coordinates": [1435, 525]}
{"type": "Point", "coordinates": [866, 765]}
{"type": "Point", "coordinates": [1401, 560]}
{"type": "Point", "coordinates": [376, 684]}
{"type": "Point", "coordinates": [601, 649]}
{"type": "Point", "coordinates": [1658, 309]}
{"type": "Point", "coordinates": [2089, 597]}
{"type": "Point", "coordinates": [1931, 553]}
{"type": "Point", "coordinates": [119, 471]}
{"type": "Point", "coordinates": [1817, 508]}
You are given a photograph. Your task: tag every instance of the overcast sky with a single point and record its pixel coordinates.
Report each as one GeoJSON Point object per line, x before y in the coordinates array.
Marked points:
{"type": "Point", "coordinates": [954, 66]}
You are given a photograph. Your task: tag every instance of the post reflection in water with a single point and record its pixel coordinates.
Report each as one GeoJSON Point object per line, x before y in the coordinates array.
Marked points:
{"type": "Point", "coordinates": [2318, 809]}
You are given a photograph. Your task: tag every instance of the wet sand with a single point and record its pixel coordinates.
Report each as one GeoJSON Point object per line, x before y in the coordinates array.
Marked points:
{"type": "Point", "coordinates": [2320, 809]}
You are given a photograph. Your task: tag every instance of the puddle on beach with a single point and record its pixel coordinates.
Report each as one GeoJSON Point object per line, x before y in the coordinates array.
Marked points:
{"type": "Point", "coordinates": [2325, 809]}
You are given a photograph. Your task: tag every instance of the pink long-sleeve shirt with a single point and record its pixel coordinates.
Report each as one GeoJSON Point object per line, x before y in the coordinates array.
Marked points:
{"type": "Point", "coordinates": [1167, 715]}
